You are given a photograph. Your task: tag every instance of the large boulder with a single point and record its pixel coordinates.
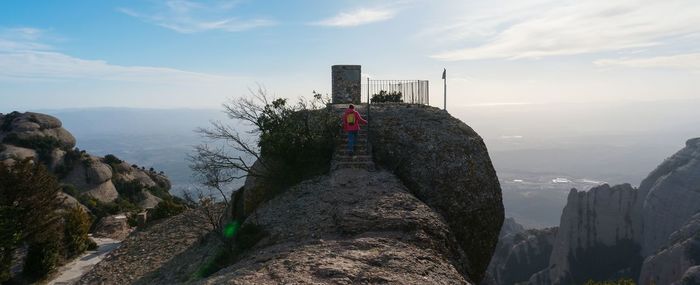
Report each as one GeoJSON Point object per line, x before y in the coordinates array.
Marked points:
{"type": "Point", "coordinates": [671, 196]}
{"type": "Point", "coordinates": [93, 177]}
{"type": "Point", "coordinates": [11, 152]}
{"type": "Point", "coordinates": [444, 163]}
{"type": "Point", "coordinates": [351, 226]}
{"type": "Point", "coordinates": [32, 126]}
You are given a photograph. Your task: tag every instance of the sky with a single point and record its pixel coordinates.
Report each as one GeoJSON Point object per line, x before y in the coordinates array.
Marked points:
{"type": "Point", "coordinates": [198, 54]}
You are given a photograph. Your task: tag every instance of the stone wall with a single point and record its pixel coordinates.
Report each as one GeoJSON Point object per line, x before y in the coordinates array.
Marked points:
{"type": "Point", "coordinates": [347, 83]}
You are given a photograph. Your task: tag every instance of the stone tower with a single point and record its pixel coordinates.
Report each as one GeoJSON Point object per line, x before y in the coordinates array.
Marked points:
{"type": "Point", "coordinates": [347, 84]}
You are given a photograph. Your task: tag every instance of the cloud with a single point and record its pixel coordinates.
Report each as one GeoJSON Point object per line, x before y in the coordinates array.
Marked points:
{"type": "Point", "coordinates": [579, 27]}
{"type": "Point", "coordinates": [357, 17]}
{"type": "Point", "coordinates": [679, 61]}
{"type": "Point", "coordinates": [23, 56]}
{"type": "Point", "coordinates": [192, 17]}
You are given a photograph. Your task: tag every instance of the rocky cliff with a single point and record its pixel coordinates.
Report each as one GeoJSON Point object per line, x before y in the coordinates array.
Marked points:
{"type": "Point", "coordinates": [42, 138]}
{"type": "Point", "coordinates": [598, 236]}
{"type": "Point", "coordinates": [648, 234]}
{"type": "Point", "coordinates": [672, 196]}
{"type": "Point", "coordinates": [519, 254]}
{"type": "Point", "coordinates": [405, 223]}
{"type": "Point", "coordinates": [445, 164]}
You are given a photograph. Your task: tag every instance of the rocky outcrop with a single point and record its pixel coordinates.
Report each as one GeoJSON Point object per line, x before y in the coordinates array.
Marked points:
{"type": "Point", "coordinates": [510, 227]}
{"type": "Point", "coordinates": [42, 137]}
{"type": "Point", "coordinates": [520, 254]}
{"type": "Point", "coordinates": [670, 263]}
{"type": "Point", "coordinates": [672, 196]}
{"type": "Point", "coordinates": [598, 237]}
{"type": "Point", "coordinates": [175, 245]}
{"type": "Point", "coordinates": [352, 226]}
{"type": "Point", "coordinates": [445, 164]}
{"type": "Point", "coordinates": [349, 227]}
{"type": "Point", "coordinates": [114, 227]}
{"type": "Point", "coordinates": [32, 126]}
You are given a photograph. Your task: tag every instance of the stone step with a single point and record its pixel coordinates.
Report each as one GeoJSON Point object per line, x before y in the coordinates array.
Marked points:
{"type": "Point", "coordinates": [354, 158]}
{"type": "Point", "coordinates": [358, 165]}
{"type": "Point", "coordinates": [345, 153]}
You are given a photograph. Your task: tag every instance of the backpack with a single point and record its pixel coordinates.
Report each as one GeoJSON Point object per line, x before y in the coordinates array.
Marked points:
{"type": "Point", "coordinates": [350, 119]}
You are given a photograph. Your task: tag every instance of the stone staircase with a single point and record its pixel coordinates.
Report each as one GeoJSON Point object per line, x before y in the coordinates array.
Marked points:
{"type": "Point", "coordinates": [362, 157]}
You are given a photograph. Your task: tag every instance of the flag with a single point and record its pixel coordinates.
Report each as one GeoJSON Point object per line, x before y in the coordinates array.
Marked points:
{"type": "Point", "coordinates": [444, 73]}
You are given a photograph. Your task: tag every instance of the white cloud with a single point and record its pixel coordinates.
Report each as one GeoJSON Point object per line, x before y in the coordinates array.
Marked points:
{"type": "Point", "coordinates": [192, 17]}
{"type": "Point", "coordinates": [357, 17]}
{"type": "Point", "coordinates": [679, 61]}
{"type": "Point", "coordinates": [23, 56]}
{"type": "Point", "coordinates": [579, 27]}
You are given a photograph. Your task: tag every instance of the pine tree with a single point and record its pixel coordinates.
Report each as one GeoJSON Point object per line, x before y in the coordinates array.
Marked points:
{"type": "Point", "coordinates": [28, 215]}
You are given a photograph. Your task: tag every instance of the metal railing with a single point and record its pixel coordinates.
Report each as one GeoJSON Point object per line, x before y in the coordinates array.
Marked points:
{"type": "Point", "coordinates": [399, 91]}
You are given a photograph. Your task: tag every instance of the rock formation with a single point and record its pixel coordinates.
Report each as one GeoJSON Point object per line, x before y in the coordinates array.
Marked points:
{"type": "Point", "coordinates": [672, 196]}
{"type": "Point", "coordinates": [446, 165]}
{"type": "Point", "coordinates": [42, 138]}
{"type": "Point", "coordinates": [425, 217]}
{"type": "Point", "coordinates": [598, 236]}
{"type": "Point", "coordinates": [670, 263]}
{"type": "Point", "coordinates": [648, 234]}
{"type": "Point", "coordinates": [520, 254]}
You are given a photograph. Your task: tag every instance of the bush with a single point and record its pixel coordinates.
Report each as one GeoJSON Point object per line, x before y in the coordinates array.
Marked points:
{"type": "Point", "coordinates": [7, 121]}
{"type": "Point", "coordinates": [112, 159]}
{"type": "Point", "coordinates": [384, 97]}
{"type": "Point", "coordinates": [42, 257]}
{"type": "Point", "coordinates": [69, 159]}
{"type": "Point", "coordinates": [43, 145]}
{"type": "Point", "coordinates": [75, 231]}
{"type": "Point", "coordinates": [28, 208]}
{"type": "Point", "coordinates": [165, 209]}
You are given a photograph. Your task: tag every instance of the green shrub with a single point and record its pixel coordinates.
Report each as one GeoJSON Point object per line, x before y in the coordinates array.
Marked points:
{"type": "Point", "coordinates": [42, 257]}
{"type": "Point", "coordinates": [69, 160]}
{"type": "Point", "coordinates": [70, 190]}
{"type": "Point", "coordinates": [302, 140]}
{"type": "Point", "coordinates": [28, 208]}
{"type": "Point", "coordinates": [385, 97]}
{"type": "Point", "coordinates": [132, 191]}
{"type": "Point", "coordinates": [112, 159]}
{"type": "Point", "coordinates": [43, 145]}
{"type": "Point", "coordinates": [7, 121]}
{"type": "Point", "coordinates": [75, 231]}
{"type": "Point", "coordinates": [244, 238]}
{"type": "Point", "coordinates": [165, 209]}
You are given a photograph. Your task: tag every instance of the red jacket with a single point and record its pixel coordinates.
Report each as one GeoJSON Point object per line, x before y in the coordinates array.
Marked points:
{"type": "Point", "coordinates": [358, 120]}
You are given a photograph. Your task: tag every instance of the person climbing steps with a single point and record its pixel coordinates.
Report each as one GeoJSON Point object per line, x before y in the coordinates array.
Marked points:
{"type": "Point", "coordinates": [351, 125]}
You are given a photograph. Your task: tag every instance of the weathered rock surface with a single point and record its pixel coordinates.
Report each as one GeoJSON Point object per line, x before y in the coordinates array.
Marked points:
{"type": "Point", "coordinates": [115, 227]}
{"type": "Point", "coordinates": [690, 277]}
{"type": "Point", "coordinates": [11, 152]}
{"type": "Point", "coordinates": [598, 237]}
{"type": "Point", "coordinates": [446, 165]}
{"type": "Point", "coordinates": [34, 125]}
{"type": "Point", "coordinates": [351, 227]}
{"type": "Point", "coordinates": [520, 254]}
{"type": "Point", "coordinates": [670, 263]}
{"type": "Point", "coordinates": [168, 245]}
{"type": "Point", "coordinates": [672, 196]}
{"type": "Point", "coordinates": [90, 175]}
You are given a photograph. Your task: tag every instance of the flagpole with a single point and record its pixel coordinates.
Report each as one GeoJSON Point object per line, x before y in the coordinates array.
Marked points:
{"type": "Point", "coordinates": [444, 78]}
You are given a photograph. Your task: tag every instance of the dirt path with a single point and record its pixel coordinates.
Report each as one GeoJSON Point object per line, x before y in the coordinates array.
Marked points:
{"type": "Point", "coordinates": [71, 272]}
